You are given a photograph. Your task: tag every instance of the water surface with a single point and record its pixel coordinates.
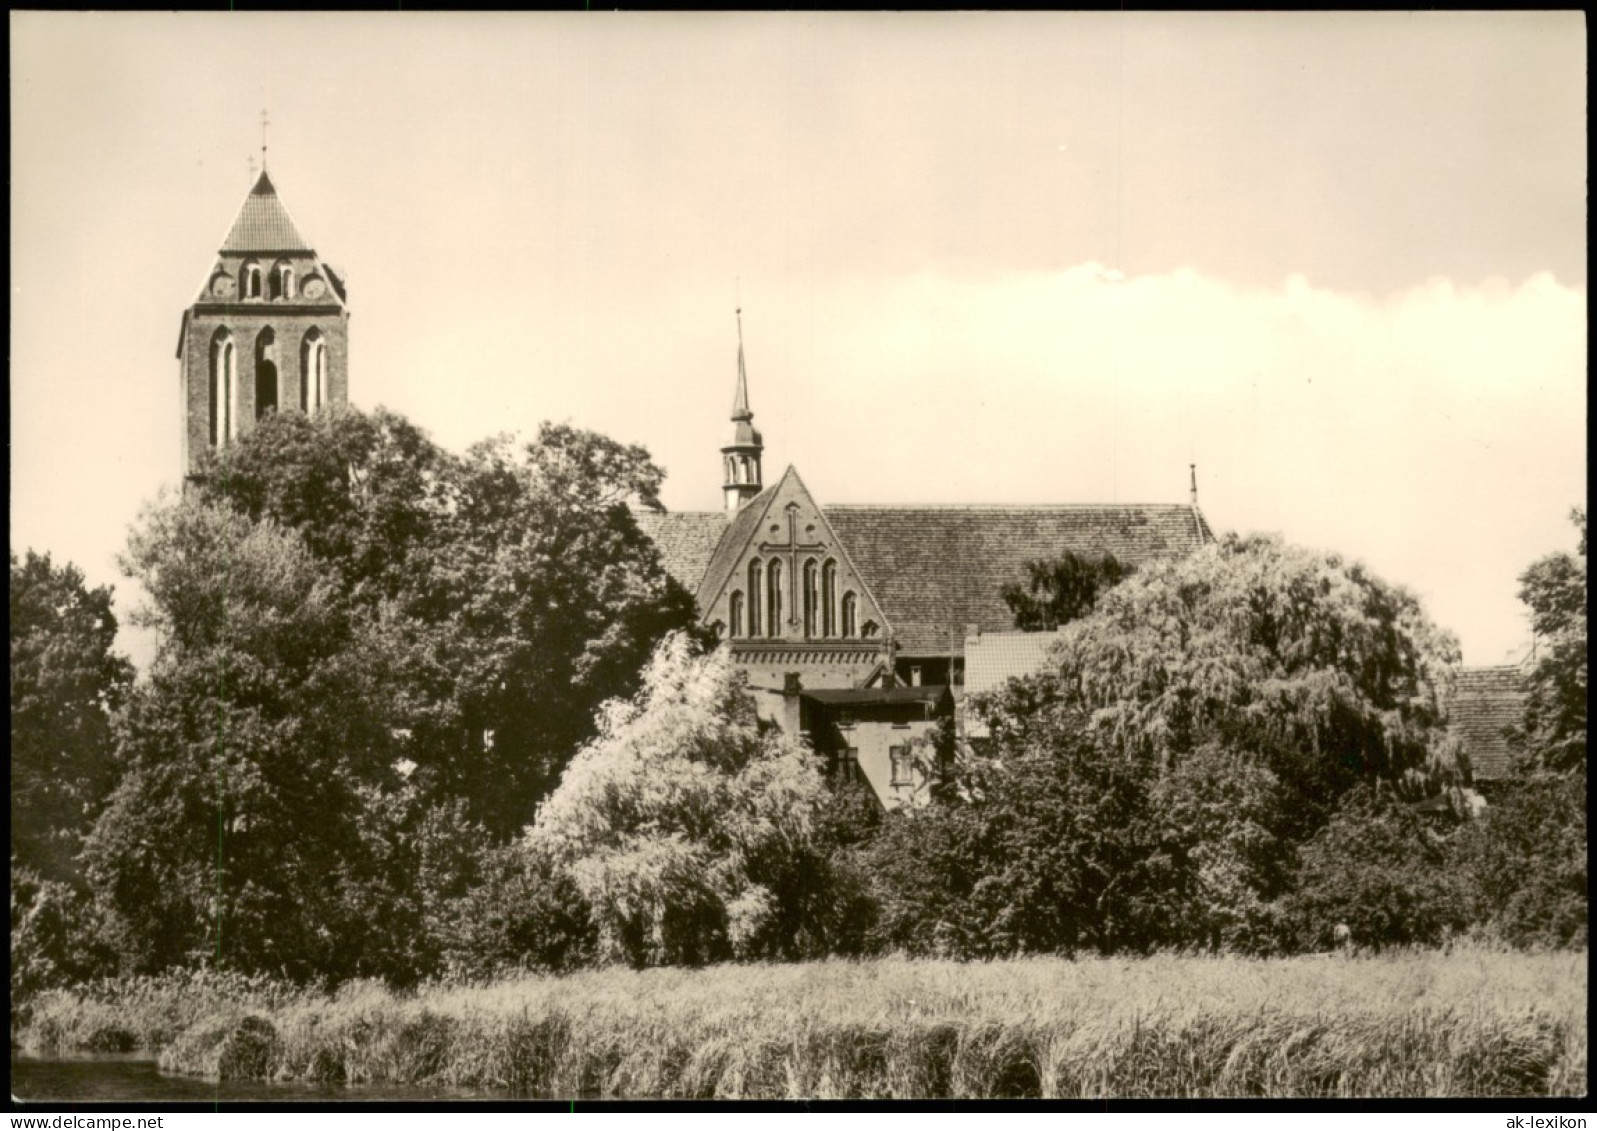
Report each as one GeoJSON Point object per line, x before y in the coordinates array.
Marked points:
{"type": "Point", "coordinates": [134, 1078]}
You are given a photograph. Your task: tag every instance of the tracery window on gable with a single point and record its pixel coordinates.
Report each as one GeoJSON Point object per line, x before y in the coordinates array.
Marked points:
{"type": "Point", "coordinates": [773, 604]}
{"type": "Point", "coordinates": [756, 576]}
{"type": "Point", "coordinates": [850, 613]}
{"type": "Point", "coordinates": [735, 613]}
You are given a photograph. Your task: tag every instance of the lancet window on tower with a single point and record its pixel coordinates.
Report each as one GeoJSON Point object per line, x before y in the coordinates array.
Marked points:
{"type": "Point", "coordinates": [222, 369]}
{"type": "Point", "coordinates": [265, 373]}
{"type": "Point", "coordinates": [312, 371]}
{"type": "Point", "coordinates": [282, 282]}
{"type": "Point", "coordinates": [250, 283]}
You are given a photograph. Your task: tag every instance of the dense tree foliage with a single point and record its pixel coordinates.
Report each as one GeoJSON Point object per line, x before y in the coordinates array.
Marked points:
{"type": "Point", "coordinates": [1061, 590]}
{"type": "Point", "coordinates": [511, 585]}
{"type": "Point", "coordinates": [1377, 870]}
{"type": "Point", "coordinates": [688, 826]}
{"type": "Point", "coordinates": [65, 683]}
{"type": "Point", "coordinates": [1524, 862]}
{"type": "Point", "coordinates": [1554, 733]}
{"type": "Point", "coordinates": [1295, 661]}
{"type": "Point", "coordinates": [1050, 846]}
{"type": "Point", "coordinates": [263, 720]}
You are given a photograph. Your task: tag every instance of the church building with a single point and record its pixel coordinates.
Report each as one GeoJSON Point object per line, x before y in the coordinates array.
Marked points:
{"type": "Point", "coordinates": [269, 330]}
{"type": "Point", "coordinates": [851, 621]}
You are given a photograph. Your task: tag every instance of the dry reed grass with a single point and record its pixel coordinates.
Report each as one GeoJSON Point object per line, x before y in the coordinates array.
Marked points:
{"type": "Point", "coordinates": [1472, 1022]}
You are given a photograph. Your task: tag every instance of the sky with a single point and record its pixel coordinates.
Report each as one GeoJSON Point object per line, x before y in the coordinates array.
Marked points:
{"type": "Point", "coordinates": [1337, 261]}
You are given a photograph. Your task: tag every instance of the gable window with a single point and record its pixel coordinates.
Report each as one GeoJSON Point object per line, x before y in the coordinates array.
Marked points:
{"type": "Point", "coordinates": [812, 597]}
{"type": "Point", "coordinates": [829, 598]}
{"type": "Point", "coordinates": [773, 585]}
{"type": "Point", "coordinates": [903, 765]}
{"type": "Point", "coordinates": [735, 612]}
{"type": "Point", "coordinates": [252, 281]}
{"type": "Point", "coordinates": [756, 571]}
{"type": "Point", "coordinates": [850, 612]}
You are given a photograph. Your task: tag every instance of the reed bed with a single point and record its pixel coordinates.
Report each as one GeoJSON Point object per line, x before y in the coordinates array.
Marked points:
{"type": "Point", "coordinates": [1464, 1023]}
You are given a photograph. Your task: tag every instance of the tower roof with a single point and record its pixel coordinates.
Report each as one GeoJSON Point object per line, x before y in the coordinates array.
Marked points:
{"type": "Point", "coordinates": [740, 399]}
{"type": "Point", "coordinates": [263, 224]}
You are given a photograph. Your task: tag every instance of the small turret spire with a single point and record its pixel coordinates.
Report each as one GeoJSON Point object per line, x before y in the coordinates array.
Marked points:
{"type": "Point", "coordinates": [1194, 470]}
{"type": "Point", "coordinates": [740, 456]}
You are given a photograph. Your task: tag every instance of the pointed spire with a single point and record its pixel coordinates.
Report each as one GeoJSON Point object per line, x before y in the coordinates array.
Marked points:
{"type": "Point", "coordinates": [740, 400]}
{"type": "Point", "coordinates": [263, 224]}
{"type": "Point", "coordinates": [1194, 469]}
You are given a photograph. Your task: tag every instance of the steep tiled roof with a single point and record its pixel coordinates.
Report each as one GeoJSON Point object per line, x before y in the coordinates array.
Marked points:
{"type": "Point", "coordinates": [937, 570]}
{"type": "Point", "coordinates": [1486, 702]}
{"type": "Point", "coordinates": [263, 224]}
{"type": "Point", "coordinates": [994, 658]}
{"type": "Point", "coordinates": [686, 541]}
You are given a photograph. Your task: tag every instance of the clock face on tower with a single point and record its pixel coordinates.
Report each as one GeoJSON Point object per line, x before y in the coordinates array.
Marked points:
{"type": "Point", "coordinates": [313, 287]}
{"type": "Point", "coordinates": [223, 286]}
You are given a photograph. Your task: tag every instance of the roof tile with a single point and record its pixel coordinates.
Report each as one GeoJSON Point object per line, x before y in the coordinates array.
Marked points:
{"type": "Point", "coordinates": [1486, 703]}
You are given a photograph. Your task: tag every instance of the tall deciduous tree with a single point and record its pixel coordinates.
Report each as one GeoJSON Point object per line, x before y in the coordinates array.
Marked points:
{"type": "Point", "coordinates": [65, 683]}
{"type": "Point", "coordinates": [513, 581]}
{"type": "Point", "coordinates": [689, 827]}
{"type": "Point", "coordinates": [1553, 736]}
{"type": "Point", "coordinates": [263, 720]}
{"type": "Point", "coordinates": [1300, 662]}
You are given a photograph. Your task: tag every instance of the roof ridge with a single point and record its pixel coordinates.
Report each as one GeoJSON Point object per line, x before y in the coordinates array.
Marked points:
{"type": "Point", "coordinates": [1002, 506]}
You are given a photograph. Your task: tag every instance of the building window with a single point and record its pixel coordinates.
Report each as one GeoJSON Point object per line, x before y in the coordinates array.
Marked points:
{"type": "Point", "coordinates": [871, 628]}
{"type": "Point", "coordinates": [773, 585]}
{"type": "Point", "coordinates": [812, 597]}
{"type": "Point", "coordinates": [850, 611]}
{"type": "Point", "coordinates": [265, 373]}
{"type": "Point", "coordinates": [755, 572]}
{"type": "Point", "coordinates": [829, 599]}
{"type": "Point", "coordinates": [903, 765]}
{"type": "Point", "coordinates": [312, 371]}
{"type": "Point", "coordinates": [252, 281]}
{"type": "Point", "coordinates": [914, 675]}
{"type": "Point", "coordinates": [221, 389]}
{"type": "Point", "coordinates": [848, 765]}
{"type": "Point", "coordinates": [735, 613]}
{"type": "Point", "coordinates": [282, 281]}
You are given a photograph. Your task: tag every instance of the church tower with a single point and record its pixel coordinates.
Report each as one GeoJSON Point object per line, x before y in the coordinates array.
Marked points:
{"type": "Point", "coordinates": [740, 456]}
{"type": "Point", "coordinates": [268, 332]}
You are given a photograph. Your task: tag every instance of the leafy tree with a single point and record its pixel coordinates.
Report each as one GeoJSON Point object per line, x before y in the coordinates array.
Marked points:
{"type": "Point", "coordinates": [1553, 736]}
{"type": "Point", "coordinates": [56, 939]}
{"type": "Point", "coordinates": [1293, 661]}
{"type": "Point", "coordinates": [1061, 590]}
{"type": "Point", "coordinates": [1525, 861]}
{"type": "Point", "coordinates": [1378, 870]}
{"type": "Point", "coordinates": [512, 582]}
{"type": "Point", "coordinates": [688, 827]}
{"type": "Point", "coordinates": [65, 683]}
{"type": "Point", "coordinates": [1049, 845]}
{"type": "Point", "coordinates": [248, 752]}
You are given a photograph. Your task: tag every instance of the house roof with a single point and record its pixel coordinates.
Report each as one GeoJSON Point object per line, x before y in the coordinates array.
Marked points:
{"type": "Point", "coordinates": [686, 541]}
{"type": "Point", "coordinates": [926, 693]}
{"type": "Point", "coordinates": [1486, 703]}
{"type": "Point", "coordinates": [263, 224]}
{"type": "Point", "coordinates": [994, 658]}
{"type": "Point", "coordinates": [938, 570]}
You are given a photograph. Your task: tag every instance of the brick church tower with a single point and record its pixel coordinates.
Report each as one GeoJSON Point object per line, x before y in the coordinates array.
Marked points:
{"type": "Point", "coordinates": [269, 331]}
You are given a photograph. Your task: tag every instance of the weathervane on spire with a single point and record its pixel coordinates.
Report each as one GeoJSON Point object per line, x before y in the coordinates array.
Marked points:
{"type": "Point", "coordinates": [265, 121]}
